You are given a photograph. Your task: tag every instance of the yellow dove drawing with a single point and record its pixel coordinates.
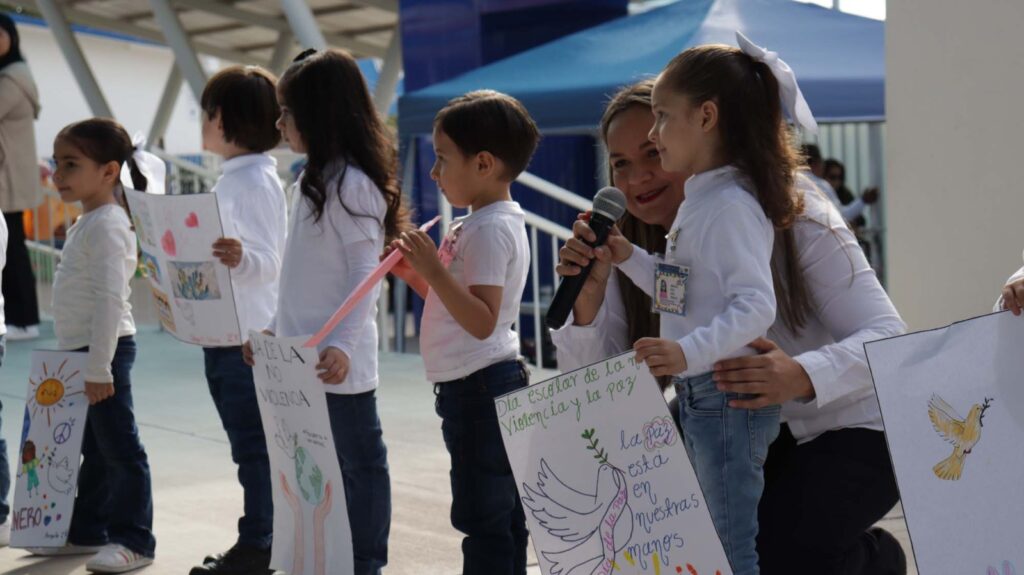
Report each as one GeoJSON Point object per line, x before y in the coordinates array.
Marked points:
{"type": "Point", "coordinates": [962, 433]}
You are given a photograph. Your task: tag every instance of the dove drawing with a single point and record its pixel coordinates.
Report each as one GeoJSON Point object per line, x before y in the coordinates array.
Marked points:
{"type": "Point", "coordinates": [963, 433]}
{"type": "Point", "coordinates": [597, 524]}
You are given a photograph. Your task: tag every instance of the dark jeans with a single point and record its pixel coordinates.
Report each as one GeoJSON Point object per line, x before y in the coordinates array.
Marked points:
{"type": "Point", "coordinates": [234, 394]}
{"type": "Point", "coordinates": [485, 503]}
{"type": "Point", "coordinates": [5, 469]}
{"type": "Point", "coordinates": [21, 306]}
{"type": "Point", "coordinates": [820, 500]}
{"type": "Point", "coordinates": [363, 456]}
{"type": "Point", "coordinates": [115, 495]}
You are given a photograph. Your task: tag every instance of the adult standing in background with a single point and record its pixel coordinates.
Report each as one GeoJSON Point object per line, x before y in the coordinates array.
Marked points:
{"type": "Point", "coordinates": [19, 180]}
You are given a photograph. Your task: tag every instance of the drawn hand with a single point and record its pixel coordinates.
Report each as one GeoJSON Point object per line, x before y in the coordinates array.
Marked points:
{"type": "Point", "coordinates": [333, 366]}
{"type": "Point", "coordinates": [299, 550]}
{"type": "Point", "coordinates": [420, 252]}
{"type": "Point", "coordinates": [772, 376]}
{"type": "Point", "coordinates": [1013, 296]}
{"type": "Point", "coordinates": [228, 251]}
{"type": "Point", "coordinates": [323, 509]}
{"type": "Point", "coordinates": [662, 356]}
{"type": "Point", "coordinates": [97, 392]}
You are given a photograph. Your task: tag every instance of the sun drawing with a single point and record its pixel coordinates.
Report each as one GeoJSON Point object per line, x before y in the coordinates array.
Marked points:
{"type": "Point", "coordinates": [50, 391]}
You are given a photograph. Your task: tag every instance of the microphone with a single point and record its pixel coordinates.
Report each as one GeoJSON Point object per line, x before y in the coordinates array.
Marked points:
{"type": "Point", "coordinates": [609, 205]}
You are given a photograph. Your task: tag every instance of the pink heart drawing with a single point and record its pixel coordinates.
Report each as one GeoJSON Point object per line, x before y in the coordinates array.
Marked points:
{"type": "Point", "coordinates": [168, 243]}
{"type": "Point", "coordinates": [192, 221]}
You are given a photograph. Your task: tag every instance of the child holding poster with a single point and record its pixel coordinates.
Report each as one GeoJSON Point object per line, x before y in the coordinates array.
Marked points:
{"type": "Point", "coordinates": [348, 203]}
{"type": "Point", "coordinates": [719, 115]}
{"type": "Point", "coordinates": [239, 114]}
{"type": "Point", "coordinates": [483, 141]}
{"type": "Point", "coordinates": [113, 516]}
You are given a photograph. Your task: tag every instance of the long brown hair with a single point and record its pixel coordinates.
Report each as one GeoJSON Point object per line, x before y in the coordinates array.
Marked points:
{"type": "Point", "coordinates": [641, 321]}
{"type": "Point", "coordinates": [333, 112]}
{"type": "Point", "coordinates": [757, 141]}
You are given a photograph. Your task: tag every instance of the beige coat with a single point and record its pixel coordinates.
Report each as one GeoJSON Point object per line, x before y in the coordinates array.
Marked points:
{"type": "Point", "coordinates": [19, 164]}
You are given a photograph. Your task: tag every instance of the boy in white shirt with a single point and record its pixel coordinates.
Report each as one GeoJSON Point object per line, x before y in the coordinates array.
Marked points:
{"type": "Point", "coordinates": [483, 141]}
{"type": "Point", "coordinates": [239, 114]}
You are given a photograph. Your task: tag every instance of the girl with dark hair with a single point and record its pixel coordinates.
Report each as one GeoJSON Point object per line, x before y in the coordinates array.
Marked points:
{"type": "Point", "coordinates": [348, 205]}
{"type": "Point", "coordinates": [113, 516]}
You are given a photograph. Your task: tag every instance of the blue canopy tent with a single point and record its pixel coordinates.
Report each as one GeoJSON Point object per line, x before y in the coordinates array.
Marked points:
{"type": "Point", "coordinates": [839, 60]}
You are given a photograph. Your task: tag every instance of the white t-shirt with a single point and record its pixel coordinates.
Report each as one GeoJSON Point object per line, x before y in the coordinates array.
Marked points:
{"type": "Point", "coordinates": [253, 210]}
{"type": "Point", "coordinates": [850, 308]}
{"type": "Point", "coordinates": [486, 248]}
{"type": "Point", "coordinates": [92, 285]}
{"type": "Point", "coordinates": [722, 235]}
{"type": "Point", "coordinates": [323, 263]}
{"type": "Point", "coordinates": [3, 262]}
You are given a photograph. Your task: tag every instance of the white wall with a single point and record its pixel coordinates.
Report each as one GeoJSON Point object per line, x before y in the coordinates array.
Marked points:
{"type": "Point", "coordinates": [131, 75]}
{"type": "Point", "coordinates": [955, 193]}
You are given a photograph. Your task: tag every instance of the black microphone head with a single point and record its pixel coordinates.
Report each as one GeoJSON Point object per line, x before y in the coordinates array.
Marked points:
{"type": "Point", "coordinates": [610, 202]}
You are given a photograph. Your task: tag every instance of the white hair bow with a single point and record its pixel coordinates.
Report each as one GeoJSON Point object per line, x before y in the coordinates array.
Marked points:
{"type": "Point", "coordinates": [792, 99]}
{"type": "Point", "coordinates": [151, 166]}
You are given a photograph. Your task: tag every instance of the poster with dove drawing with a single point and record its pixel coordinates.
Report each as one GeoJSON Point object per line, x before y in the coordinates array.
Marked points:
{"type": "Point", "coordinates": [191, 288]}
{"type": "Point", "coordinates": [604, 477]}
{"type": "Point", "coordinates": [952, 402]}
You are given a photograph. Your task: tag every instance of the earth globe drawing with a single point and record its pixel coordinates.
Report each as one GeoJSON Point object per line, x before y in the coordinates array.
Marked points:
{"type": "Point", "coordinates": [309, 476]}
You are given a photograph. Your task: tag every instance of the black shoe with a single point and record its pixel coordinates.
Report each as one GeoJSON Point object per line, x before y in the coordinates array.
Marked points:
{"type": "Point", "coordinates": [239, 560]}
{"type": "Point", "coordinates": [889, 556]}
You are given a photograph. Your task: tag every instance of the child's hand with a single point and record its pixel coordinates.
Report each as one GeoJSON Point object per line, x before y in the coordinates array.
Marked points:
{"type": "Point", "coordinates": [662, 356]}
{"type": "Point", "coordinates": [97, 392]}
{"type": "Point", "coordinates": [247, 349]}
{"type": "Point", "coordinates": [333, 366]}
{"type": "Point", "coordinates": [228, 251]}
{"type": "Point", "coordinates": [402, 270]}
{"type": "Point", "coordinates": [1013, 296]}
{"type": "Point", "coordinates": [420, 252]}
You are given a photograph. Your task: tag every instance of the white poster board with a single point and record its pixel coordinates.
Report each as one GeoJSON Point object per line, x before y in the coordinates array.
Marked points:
{"type": "Point", "coordinates": [604, 477]}
{"type": "Point", "coordinates": [192, 289]}
{"type": "Point", "coordinates": [311, 529]}
{"type": "Point", "coordinates": [952, 402]}
{"type": "Point", "coordinates": [50, 450]}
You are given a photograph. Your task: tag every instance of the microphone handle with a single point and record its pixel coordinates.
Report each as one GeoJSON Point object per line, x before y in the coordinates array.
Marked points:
{"type": "Point", "coordinates": [571, 286]}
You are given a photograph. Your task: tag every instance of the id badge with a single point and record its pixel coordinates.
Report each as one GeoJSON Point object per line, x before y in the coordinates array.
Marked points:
{"type": "Point", "coordinates": [670, 288]}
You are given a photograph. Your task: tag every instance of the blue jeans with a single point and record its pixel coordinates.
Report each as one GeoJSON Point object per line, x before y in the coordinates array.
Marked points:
{"type": "Point", "coordinates": [115, 492]}
{"type": "Point", "coordinates": [5, 466]}
{"type": "Point", "coordinates": [485, 503]}
{"type": "Point", "coordinates": [234, 394]}
{"type": "Point", "coordinates": [363, 457]}
{"type": "Point", "coordinates": [728, 448]}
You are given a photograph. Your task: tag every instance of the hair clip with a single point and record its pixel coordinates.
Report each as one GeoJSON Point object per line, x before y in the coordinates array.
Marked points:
{"type": "Point", "coordinates": [304, 54]}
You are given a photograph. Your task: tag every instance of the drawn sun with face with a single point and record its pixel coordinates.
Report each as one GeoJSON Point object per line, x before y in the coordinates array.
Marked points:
{"type": "Point", "coordinates": [50, 391]}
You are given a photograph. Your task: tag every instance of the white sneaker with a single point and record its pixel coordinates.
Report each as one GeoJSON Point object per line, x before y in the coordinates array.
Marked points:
{"type": "Point", "coordinates": [15, 333]}
{"type": "Point", "coordinates": [5, 533]}
{"type": "Point", "coordinates": [69, 549]}
{"type": "Point", "coordinates": [116, 558]}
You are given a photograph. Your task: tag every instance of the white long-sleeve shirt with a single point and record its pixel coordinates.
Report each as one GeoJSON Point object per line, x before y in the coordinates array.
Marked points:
{"type": "Point", "coordinates": [253, 210]}
{"type": "Point", "coordinates": [324, 261]}
{"type": "Point", "coordinates": [850, 211]}
{"type": "Point", "coordinates": [92, 285]}
{"type": "Point", "coordinates": [850, 309]}
{"type": "Point", "coordinates": [723, 236]}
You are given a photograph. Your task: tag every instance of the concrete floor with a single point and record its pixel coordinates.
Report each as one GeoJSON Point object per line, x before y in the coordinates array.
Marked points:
{"type": "Point", "coordinates": [197, 498]}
